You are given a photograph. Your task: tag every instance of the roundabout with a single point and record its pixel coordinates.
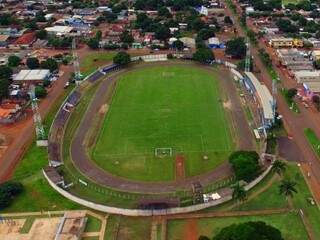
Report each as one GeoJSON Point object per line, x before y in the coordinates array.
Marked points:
{"type": "Point", "coordinates": [152, 130]}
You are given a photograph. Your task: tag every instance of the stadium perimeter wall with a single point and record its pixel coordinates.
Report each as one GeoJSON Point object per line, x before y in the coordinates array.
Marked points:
{"type": "Point", "coordinates": [141, 212]}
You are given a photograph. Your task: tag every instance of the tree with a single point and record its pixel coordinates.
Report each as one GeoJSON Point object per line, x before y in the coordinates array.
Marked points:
{"type": "Point", "coordinates": [14, 61]}
{"type": "Point", "coordinates": [245, 165]}
{"type": "Point", "coordinates": [316, 101]}
{"type": "Point", "coordinates": [236, 47]}
{"type": "Point", "coordinates": [317, 64]}
{"type": "Point", "coordinates": [41, 34]}
{"type": "Point", "coordinates": [93, 43]}
{"type": "Point", "coordinates": [279, 167]}
{"type": "Point", "coordinates": [164, 12]}
{"type": "Point", "coordinates": [5, 72]}
{"type": "Point", "coordinates": [287, 188]}
{"type": "Point", "coordinates": [8, 191]}
{"type": "Point", "coordinates": [50, 64]}
{"type": "Point", "coordinates": [122, 58]}
{"type": "Point", "coordinates": [203, 55]}
{"type": "Point", "coordinates": [292, 92]}
{"type": "Point", "coordinates": [4, 87]}
{"type": "Point", "coordinates": [239, 194]}
{"type": "Point", "coordinates": [227, 20]}
{"type": "Point", "coordinates": [40, 92]}
{"type": "Point", "coordinates": [33, 63]}
{"type": "Point", "coordinates": [203, 238]}
{"type": "Point", "coordinates": [126, 37]}
{"type": "Point", "coordinates": [249, 231]}
{"type": "Point", "coordinates": [178, 45]}
{"type": "Point", "coordinates": [162, 32]}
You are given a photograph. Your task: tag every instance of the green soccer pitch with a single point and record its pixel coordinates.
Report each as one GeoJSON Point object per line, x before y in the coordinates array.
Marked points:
{"type": "Point", "coordinates": [159, 112]}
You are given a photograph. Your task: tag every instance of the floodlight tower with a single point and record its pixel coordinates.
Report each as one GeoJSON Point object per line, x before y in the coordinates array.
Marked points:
{"type": "Point", "coordinates": [76, 65]}
{"type": "Point", "coordinates": [41, 135]}
{"type": "Point", "coordinates": [248, 57]}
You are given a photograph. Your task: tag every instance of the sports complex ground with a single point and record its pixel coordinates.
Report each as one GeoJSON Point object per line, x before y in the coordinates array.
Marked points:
{"type": "Point", "coordinates": [155, 128]}
{"type": "Point", "coordinates": [158, 113]}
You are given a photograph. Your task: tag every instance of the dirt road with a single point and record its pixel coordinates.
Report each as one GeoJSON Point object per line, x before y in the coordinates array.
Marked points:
{"type": "Point", "coordinates": [294, 123]}
{"type": "Point", "coordinates": [25, 132]}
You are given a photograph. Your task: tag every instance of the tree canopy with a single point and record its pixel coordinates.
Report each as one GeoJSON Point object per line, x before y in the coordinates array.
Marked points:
{"type": "Point", "coordinates": [203, 55]}
{"type": "Point", "coordinates": [33, 63]}
{"type": "Point", "coordinates": [50, 64]}
{"type": "Point", "coordinates": [236, 47]}
{"type": "Point", "coordinates": [122, 58]}
{"type": "Point", "coordinates": [14, 61]}
{"type": "Point", "coordinates": [245, 165]}
{"type": "Point", "coordinates": [8, 191]}
{"type": "Point", "coordinates": [249, 231]}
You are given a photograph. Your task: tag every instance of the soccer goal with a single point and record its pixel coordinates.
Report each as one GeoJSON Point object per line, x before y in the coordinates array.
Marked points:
{"type": "Point", "coordinates": [163, 152]}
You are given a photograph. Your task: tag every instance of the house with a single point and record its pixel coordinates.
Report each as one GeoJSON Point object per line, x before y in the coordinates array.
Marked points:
{"type": "Point", "coordinates": [4, 40]}
{"type": "Point", "coordinates": [215, 43]}
{"type": "Point", "coordinates": [316, 55]}
{"type": "Point", "coordinates": [59, 30]}
{"type": "Point", "coordinates": [310, 79]}
{"type": "Point", "coordinates": [285, 42]}
{"type": "Point", "coordinates": [31, 76]}
{"type": "Point", "coordinates": [25, 41]}
{"type": "Point", "coordinates": [188, 42]}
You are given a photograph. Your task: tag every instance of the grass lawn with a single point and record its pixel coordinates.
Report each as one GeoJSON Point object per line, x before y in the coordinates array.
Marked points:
{"type": "Point", "coordinates": [38, 195]}
{"type": "Point", "coordinates": [275, 200]}
{"type": "Point", "coordinates": [313, 140]}
{"type": "Point", "coordinates": [93, 224]}
{"type": "Point", "coordinates": [127, 228]}
{"type": "Point", "coordinates": [92, 61]}
{"type": "Point", "coordinates": [300, 200]}
{"type": "Point", "coordinates": [291, 103]}
{"type": "Point", "coordinates": [164, 107]}
{"type": "Point", "coordinates": [211, 226]}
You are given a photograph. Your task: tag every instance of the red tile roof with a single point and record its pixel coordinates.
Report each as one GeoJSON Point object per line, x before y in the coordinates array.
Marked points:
{"type": "Point", "coordinates": [26, 38]}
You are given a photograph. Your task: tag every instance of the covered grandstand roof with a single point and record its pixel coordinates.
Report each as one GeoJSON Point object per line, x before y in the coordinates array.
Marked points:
{"type": "Point", "coordinates": [264, 95]}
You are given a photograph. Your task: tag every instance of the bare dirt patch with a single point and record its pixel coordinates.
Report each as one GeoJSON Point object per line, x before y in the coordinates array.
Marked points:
{"type": "Point", "coordinates": [191, 230]}
{"type": "Point", "coordinates": [9, 228]}
{"type": "Point", "coordinates": [227, 104]}
{"type": "Point", "coordinates": [104, 109]}
{"type": "Point", "coordinates": [44, 228]}
{"type": "Point", "coordinates": [180, 169]}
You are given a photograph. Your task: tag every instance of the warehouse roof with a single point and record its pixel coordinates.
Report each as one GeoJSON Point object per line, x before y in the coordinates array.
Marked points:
{"type": "Point", "coordinates": [59, 29]}
{"type": "Point", "coordinates": [306, 73]}
{"type": "Point", "coordinates": [31, 75]}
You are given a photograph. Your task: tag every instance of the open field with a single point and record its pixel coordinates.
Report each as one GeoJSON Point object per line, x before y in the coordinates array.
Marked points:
{"type": "Point", "coordinates": [176, 108]}
{"type": "Point", "coordinates": [180, 229]}
{"type": "Point", "coordinates": [92, 61]}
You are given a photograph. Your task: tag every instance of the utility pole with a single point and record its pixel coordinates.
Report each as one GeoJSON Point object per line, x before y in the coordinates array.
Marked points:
{"type": "Point", "coordinates": [76, 65]}
{"type": "Point", "coordinates": [41, 135]}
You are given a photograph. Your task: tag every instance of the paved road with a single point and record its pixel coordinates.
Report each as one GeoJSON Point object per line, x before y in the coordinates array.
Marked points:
{"type": "Point", "coordinates": [17, 148]}
{"type": "Point", "coordinates": [294, 123]}
{"type": "Point", "coordinates": [88, 167]}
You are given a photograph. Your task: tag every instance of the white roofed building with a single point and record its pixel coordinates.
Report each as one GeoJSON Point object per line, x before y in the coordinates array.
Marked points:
{"type": "Point", "coordinates": [31, 76]}
{"type": "Point", "coordinates": [59, 30]}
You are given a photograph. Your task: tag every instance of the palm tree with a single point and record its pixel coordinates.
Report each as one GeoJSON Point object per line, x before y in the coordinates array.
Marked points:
{"type": "Point", "coordinates": [287, 188]}
{"type": "Point", "coordinates": [239, 193]}
{"type": "Point", "coordinates": [279, 167]}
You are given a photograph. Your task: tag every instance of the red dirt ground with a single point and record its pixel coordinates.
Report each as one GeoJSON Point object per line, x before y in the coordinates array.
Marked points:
{"type": "Point", "coordinates": [191, 230]}
{"type": "Point", "coordinates": [180, 171]}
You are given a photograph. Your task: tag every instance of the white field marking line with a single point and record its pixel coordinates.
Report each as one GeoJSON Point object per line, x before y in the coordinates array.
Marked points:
{"type": "Point", "coordinates": [117, 155]}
